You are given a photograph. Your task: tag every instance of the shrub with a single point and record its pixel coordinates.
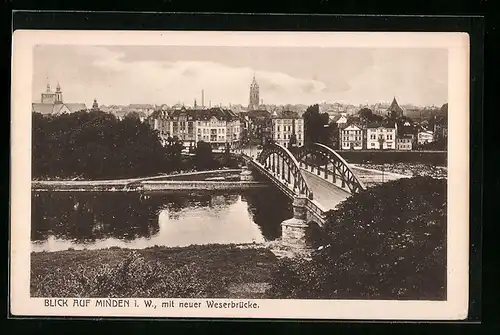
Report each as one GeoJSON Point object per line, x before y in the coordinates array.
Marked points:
{"type": "Point", "coordinates": [388, 242]}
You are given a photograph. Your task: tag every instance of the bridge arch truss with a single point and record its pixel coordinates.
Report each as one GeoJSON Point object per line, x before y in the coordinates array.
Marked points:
{"type": "Point", "coordinates": [283, 165]}
{"type": "Point", "coordinates": [335, 169]}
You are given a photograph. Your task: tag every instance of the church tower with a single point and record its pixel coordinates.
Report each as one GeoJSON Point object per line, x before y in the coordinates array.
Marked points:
{"type": "Point", "coordinates": [48, 97]}
{"type": "Point", "coordinates": [254, 95]}
{"type": "Point", "coordinates": [58, 99]}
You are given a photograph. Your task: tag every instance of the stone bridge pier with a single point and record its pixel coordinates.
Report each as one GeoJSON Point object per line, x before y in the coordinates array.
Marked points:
{"type": "Point", "coordinates": [295, 231]}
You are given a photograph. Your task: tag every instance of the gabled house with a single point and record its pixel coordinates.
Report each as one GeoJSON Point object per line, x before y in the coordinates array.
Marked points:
{"type": "Point", "coordinates": [351, 137]}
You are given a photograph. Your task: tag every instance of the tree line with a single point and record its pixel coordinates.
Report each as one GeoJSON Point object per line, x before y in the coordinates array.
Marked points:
{"type": "Point", "coordinates": [388, 242]}
{"type": "Point", "coordinates": [97, 145]}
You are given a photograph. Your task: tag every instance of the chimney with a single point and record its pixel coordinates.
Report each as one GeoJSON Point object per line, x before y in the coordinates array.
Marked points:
{"type": "Point", "coordinates": [202, 98]}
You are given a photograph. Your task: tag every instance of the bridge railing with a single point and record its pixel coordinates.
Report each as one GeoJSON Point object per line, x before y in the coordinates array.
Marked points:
{"type": "Point", "coordinates": [314, 208]}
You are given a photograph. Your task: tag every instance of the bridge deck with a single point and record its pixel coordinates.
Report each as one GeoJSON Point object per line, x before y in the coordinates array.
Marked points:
{"type": "Point", "coordinates": [327, 194]}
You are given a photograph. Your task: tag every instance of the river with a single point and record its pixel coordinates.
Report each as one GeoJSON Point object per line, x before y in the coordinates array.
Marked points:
{"type": "Point", "coordinates": [93, 220]}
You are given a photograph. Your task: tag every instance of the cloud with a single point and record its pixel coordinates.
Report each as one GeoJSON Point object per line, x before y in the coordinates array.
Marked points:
{"type": "Point", "coordinates": [119, 76]}
{"type": "Point", "coordinates": [172, 81]}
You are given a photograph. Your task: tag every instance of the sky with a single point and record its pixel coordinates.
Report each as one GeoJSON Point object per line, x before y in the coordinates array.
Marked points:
{"type": "Point", "coordinates": [122, 75]}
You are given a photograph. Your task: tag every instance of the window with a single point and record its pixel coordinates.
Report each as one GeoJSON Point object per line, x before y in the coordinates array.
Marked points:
{"type": "Point", "coordinates": [373, 144]}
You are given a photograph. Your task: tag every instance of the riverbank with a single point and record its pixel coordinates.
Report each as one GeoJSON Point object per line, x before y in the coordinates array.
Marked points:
{"type": "Point", "coordinates": [227, 179]}
{"type": "Point", "coordinates": [164, 185]}
{"type": "Point", "coordinates": [198, 271]}
{"type": "Point", "coordinates": [409, 170]}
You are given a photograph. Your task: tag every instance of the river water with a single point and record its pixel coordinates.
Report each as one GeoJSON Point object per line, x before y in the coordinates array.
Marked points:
{"type": "Point", "coordinates": [84, 220]}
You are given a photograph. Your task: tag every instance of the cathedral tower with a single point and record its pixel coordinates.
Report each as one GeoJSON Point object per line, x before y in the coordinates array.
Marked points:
{"type": "Point", "coordinates": [254, 95]}
{"type": "Point", "coordinates": [48, 97]}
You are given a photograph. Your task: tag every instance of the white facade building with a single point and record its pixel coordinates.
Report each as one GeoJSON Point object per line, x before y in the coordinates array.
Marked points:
{"type": "Point", "coordinates": [284, 124]}
{"type": "Point", "coordinates": [351, 138]}
{"type": "Point", "coordinates": [381, 136]}
{"type": "Point", "coordinates": [425, 136]}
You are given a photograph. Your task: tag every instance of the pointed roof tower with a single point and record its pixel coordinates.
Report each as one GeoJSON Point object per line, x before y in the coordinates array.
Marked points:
{"type": "Point", "coordinates": [254, 81]}
{"type": "Point", "coordinates": [394, 107]}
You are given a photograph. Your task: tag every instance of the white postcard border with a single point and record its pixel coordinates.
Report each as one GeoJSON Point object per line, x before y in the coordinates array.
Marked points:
{"type": "Point", "coordinates": [455, 307]}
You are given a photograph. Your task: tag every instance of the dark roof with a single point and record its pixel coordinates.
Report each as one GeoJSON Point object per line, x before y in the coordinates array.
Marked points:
{"type": "Point", "coordinates": [394, 107]}
{"type": "Point", "coordinates": [259, 113]}
{"type": "Point", "coordinates": [203, 114]}
{"type": "Point", "coordinates": [286, 114]}
{"type": "Point", "coordinates": [383, 124]}
{"type": "Point", "coordinates": [336, 118]}
{"type": "Point", "coordinates": [406, 130]}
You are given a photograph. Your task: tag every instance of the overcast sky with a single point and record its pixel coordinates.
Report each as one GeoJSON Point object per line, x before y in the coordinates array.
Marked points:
{"type": "Point", "coordinates": [170, 74]}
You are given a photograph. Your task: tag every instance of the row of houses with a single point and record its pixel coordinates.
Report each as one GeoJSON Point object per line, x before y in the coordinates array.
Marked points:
{"type": "Point", "coordinates": [284, 127]}
{"type": "Point", "coordinates": [224, 128]}
{"type": "Point", "coordinates": [217, 126]}
{"type": "Point", "coordinates": [384, 135]}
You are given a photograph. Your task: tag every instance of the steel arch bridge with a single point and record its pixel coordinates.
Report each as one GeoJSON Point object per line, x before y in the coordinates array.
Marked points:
{"type": "Point", "coordinates": [313, 171]}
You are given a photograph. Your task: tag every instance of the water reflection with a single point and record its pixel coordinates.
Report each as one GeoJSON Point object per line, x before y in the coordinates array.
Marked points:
{"type": "Point", "coordinates": [62, 220]}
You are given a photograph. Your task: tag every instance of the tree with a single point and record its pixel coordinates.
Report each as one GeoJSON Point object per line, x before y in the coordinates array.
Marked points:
{"type": "Point", "coordinates": [94, 145]}
{"type": "Point", "coordinates": [314, 126]}
{"type": "Point", "coordinates": [367, 116]}
{"type": "Point", "coordinates": [203, 159]}
{"type": "Point", "coordinates": [388, 242]}
{"type": "Point", "coordinates": [174, 153]}
{"type": "Point", "coordinates": [334, 134]}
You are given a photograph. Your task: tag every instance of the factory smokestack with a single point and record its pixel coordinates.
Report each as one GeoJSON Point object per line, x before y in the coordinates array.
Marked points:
{"type": "Point", "coordinates": [202, 98]}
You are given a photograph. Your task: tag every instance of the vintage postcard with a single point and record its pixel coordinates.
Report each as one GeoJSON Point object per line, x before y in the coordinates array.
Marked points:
{"type": "Point", "coordinates": [290, 175]}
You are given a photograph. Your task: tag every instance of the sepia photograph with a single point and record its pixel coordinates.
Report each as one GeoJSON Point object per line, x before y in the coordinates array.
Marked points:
{"type": "Point", "coordinates": [219, 173]}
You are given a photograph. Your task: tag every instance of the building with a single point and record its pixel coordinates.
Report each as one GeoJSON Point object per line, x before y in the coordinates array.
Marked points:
{"type": "Point", "coordinates": [394, 110]}
{"type": "Point", "coordinates": [351, 137]}
{"type": "Point", "coordinates": [216, 126]}
{"type": "Point", "coordinates": [254, 96]}
{"type": "Point", "coordinates": [256, 126]}
{"type": "Point", "coordinates": [342, 121]}
{"type": "Point", "coordinates": [285, 126]}
{"type": "Point", "coordinates": [380, 108]}
{"type": "Point", "coordinates": [425, 136]}
{"type": "Point", "coordinates": [381, 135]}
{"type": "Point", "coordinates": [404, 143]}
{"type": "Point", "coordinates": [51, 103]}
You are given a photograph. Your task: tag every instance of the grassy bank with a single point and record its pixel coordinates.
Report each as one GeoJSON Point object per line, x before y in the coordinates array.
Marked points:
{"type": "Point", "coordinates": [210, 271]}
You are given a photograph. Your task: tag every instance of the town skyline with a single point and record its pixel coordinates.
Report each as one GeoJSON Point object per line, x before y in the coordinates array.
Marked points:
{"type": "Point", "coordinates": [129, 75]}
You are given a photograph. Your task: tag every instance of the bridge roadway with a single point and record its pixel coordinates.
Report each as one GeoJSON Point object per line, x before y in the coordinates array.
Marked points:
{"type": "Point", "coordinates": [325, 193]}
